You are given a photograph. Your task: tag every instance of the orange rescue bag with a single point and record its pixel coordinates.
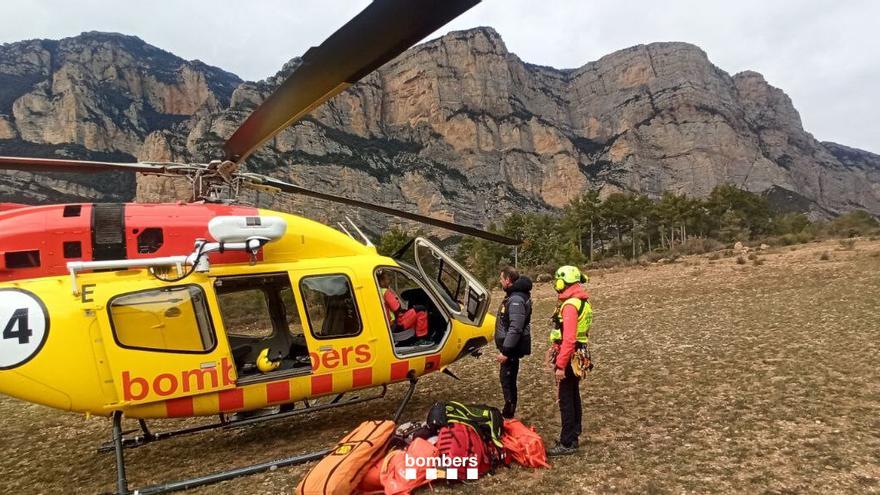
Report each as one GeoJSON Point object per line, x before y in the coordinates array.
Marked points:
{"type": "Point", "coordinates": [371, 482]}
{"type": "Point", "coordinates": [342, 469]}
{"type": "Point", "coordinates": [523, 445]}
{"type": "Point", "coordinates": [393, 471]}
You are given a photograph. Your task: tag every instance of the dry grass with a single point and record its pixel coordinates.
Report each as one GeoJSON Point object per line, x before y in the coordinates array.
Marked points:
{"type": "Point", "coordinates": [724, 378]}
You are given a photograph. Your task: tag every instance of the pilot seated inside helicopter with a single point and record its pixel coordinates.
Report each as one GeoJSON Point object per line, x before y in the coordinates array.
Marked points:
{"type": "Point", "coordinates": [409, 327]}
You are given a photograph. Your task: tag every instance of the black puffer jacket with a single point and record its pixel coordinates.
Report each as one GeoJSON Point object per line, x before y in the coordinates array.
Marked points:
{"type": "Point", "coordinates": [513, 331]}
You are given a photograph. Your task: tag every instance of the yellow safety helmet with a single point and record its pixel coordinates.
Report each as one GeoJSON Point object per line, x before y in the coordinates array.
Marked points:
{"type": "Point", "coordinates": [264, 364]}
{"type": "Point", "coordinates": [567, 275]}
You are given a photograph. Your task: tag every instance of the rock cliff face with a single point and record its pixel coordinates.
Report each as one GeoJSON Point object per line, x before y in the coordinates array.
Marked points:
{"type": "Point", "coordinates": [97, 94]}
{"type": "Point", "coordinates": [457, 127]}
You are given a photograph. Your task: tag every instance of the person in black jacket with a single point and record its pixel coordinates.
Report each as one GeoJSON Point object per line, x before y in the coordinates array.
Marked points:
{"type": "Point", "coordinates": [513, 335]}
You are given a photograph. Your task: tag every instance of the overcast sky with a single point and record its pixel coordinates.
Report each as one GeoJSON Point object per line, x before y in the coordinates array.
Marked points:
{"type": "Point", "coordinates": [825, 54]}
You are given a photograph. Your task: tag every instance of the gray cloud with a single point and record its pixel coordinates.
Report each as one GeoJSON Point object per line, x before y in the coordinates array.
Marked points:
{"type": "Point", "coordinates": [821, 52]}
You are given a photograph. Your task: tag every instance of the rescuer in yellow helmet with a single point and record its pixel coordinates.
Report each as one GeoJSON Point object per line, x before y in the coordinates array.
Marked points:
{"type": "Point", "coordinates": [569, 354]}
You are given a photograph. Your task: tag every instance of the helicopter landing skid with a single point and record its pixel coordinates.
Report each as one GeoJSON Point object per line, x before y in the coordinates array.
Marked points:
{"type": "Point", "coordinates": [117, 445]}
{"type": "Point", "coordinates": [147, 436]}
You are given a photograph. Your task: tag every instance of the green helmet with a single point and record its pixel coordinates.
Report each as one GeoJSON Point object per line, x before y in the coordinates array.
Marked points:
{"type": "Point", "coordinates": [569, 275]}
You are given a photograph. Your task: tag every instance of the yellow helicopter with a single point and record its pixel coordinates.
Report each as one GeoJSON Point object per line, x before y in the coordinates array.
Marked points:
{"type": "Point", "coordinates": [217, 308]}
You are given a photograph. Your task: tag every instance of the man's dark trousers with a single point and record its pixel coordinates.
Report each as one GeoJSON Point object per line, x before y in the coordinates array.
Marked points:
{"type": "Point", "coordinates": [570, 408]}
{"type": "Point", "coordinates": [509, 371]}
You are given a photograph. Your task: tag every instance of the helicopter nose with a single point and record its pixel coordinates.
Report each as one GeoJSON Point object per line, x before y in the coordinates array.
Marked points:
{"type": "Point", "coordinates": [25, 364]}
{"type": "Point", "coordinates": [487, 329]}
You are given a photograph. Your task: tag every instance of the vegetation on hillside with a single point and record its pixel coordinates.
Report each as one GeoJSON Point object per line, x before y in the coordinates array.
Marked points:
{"type": "Point", "coordinates": [625, 227]}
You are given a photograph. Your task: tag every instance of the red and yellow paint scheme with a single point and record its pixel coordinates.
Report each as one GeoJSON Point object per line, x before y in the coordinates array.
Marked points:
{"type": "Point", "coordinates": [100, 348]}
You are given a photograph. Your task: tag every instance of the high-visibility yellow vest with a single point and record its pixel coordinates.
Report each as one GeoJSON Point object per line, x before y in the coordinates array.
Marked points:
{"type": "Point", "coordinates": [585, 318]}
{"type": "Point", "coordinates": [391, 315]}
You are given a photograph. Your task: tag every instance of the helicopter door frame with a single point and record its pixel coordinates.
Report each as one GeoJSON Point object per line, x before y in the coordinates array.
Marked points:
{"type": "Point", "coordinates": [417, 277]}
{"type": "Point", "coordinates": [139, 318]}
{"type": "Point", "coordinates": [278, 314]}
{"type": "Point", "coordinates": [477, 297]}
{"type": "Point", "coordinates": [336, 358]}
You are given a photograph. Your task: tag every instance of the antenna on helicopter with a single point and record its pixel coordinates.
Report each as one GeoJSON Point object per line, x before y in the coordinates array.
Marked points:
{"type": "Point", "coordinates": [367, 240]}
{"type": "Point", "coordinates": [342, 226]}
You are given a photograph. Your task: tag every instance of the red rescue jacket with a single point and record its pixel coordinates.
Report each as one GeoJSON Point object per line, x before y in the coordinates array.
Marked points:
{"type": "Point", "coordinates": [569, 323]}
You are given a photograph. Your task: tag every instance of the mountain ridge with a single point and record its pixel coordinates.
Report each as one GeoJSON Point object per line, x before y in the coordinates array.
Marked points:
{"type": "Point", "coordinates": [459, 127]}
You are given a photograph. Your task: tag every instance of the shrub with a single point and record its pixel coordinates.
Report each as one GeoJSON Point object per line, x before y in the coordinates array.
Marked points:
{"type": "Point", "coordinates": [847, 244]}
{"type": "Point", "coordinates": [854, 223]}
{"type": "Point", "coordinates": [612, 262]}
{"type": "Point", "coordinates": [654, 256]}
{"type": "Point", "coordinates": [701, 245]}
{"type": "Point", "coordinates": [824, 256]}
{"type": "Point", "coordinates": [791, 223]}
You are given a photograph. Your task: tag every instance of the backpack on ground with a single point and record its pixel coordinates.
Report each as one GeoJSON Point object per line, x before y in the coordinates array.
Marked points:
{"type": "Point", "coordinates": [340, 472]}
{"type": "Point", "coordinates": [523, 445]}
{"type": "Point", "coordinates": [461, 441]}
{"type": "Point", "coordinates": [484, 419]}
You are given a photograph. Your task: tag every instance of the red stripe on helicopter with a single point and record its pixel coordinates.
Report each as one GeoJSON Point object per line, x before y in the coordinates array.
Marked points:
{"type": "Point", "coordinates": [278, 392]}
{"type": "Point", "coordinates": [181, 407]}
{"type": "Point", "coordinates": [362, 377]}
{"type": "Point", "coordinates": [50, 236]}
{"type": "Point", "coordinates": [432, 363]}
{"type": "Point", "coordinates": [322, 384]}
{"type": "Point", "coordinates": [399, 370]}
{"type": "Point", "coordinates": [230, 400]}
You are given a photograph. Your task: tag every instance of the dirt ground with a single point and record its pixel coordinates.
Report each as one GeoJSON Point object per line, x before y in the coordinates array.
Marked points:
{"type": "Point", "coordinates": [712, 377]}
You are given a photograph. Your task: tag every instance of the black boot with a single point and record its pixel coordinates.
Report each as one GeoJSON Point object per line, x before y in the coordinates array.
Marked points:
{"type": "Point", "coordinates": [559, 449]}
{"type": "Point", "coordinates": [509, 410]}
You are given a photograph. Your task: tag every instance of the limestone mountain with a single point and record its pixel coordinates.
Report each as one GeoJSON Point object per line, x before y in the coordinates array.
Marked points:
{"type": "Point", "coordinates": [96, 96]}
{"type": "Point", "coordinates": [457, 127]}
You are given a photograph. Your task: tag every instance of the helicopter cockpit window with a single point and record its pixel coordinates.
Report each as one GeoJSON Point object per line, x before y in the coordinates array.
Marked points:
{"type": "Point", "coordinates": [260, 314]}
{"type": "Point", "coordinates": [330, 306]}
{"type": "Point", "coordinates": [173, 319]}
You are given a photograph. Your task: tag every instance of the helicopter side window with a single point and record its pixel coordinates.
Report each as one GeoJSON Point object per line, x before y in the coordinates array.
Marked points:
{"type": "Point", "coordinates": [330, 306]}
{"type": "Point", "coordinates": [246, 313]}
{"type": "Point", "coordinates": [260, 313]}
{"type": "Point", "coordinates": [171, 319]}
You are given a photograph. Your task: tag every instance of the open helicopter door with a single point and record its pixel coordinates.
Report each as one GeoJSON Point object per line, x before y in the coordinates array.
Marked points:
{"type": "Point", "coordinates": [161, 342]}
{"type": "Point", "coordinates": [465, 298]}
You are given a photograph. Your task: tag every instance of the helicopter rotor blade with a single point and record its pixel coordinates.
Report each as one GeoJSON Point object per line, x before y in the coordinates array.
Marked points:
{"type": "Point", "coordinates": [379, 33]}
{"type": "Point", "coordinates": [66, 165]}
{"type": "Point", "coordinates": [455, 227]}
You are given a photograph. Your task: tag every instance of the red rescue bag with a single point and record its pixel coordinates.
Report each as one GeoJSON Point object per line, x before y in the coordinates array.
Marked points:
{"type": "Point", "coordinates": [523, 444]}
{"type": "Point", "coordinates": [462, 441]}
